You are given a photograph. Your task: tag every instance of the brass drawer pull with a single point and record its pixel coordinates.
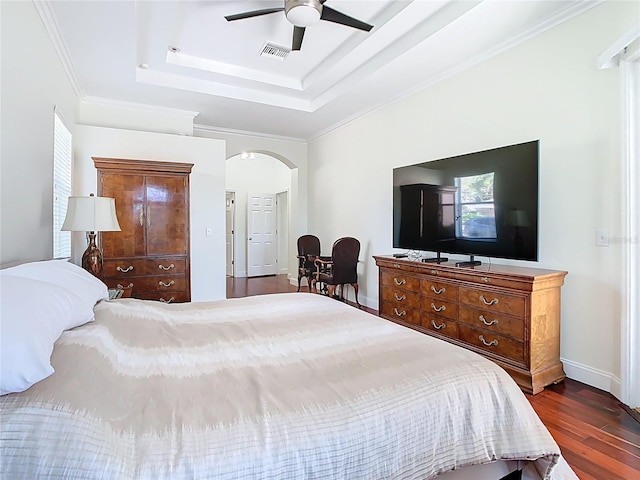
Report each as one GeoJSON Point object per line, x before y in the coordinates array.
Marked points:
{"type": "Point", "coordinates": [436, 326]}
{"type": "Point", "coordinates": [435, 272]}
{"type": "Point", "coordinates": [485, 279]}
{"type": "Point", "coordinates": [438, 309]}
{"type": "Point", "coordinates": [399, 282]}
{"type": "Point", "coordinates": [162, 284]}
{"type": "Point", "coordinates": [128, 286]}
{"type": "Point", "coordinates": [124, 270]}
{"type": "Point", "coordinates": [162, 267]}
{"type": "Point", "coordinates": [438, 291]}
{"type": "Point", "coordinates": [148, 216]}
{"type": "Point", "coordinates": [395, 265]}
{"type": "Point", "coordinates": [492, 343]}
{"type": "Point", "coordinates": [488, 324]}
{"type": "Point", "coordinates": [489, 303]}
{"type": "Point", "coordinates": [141, 216]}
{"type": "Point", "coordinates": [398, 297]}
{"type": "Point", "coordinates": [167, 301]}
{"type": "Point", "coordinates": [399, 314]}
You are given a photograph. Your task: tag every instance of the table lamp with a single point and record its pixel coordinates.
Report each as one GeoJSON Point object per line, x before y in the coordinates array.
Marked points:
{"type": "Point", "coordinates": [91, 214]}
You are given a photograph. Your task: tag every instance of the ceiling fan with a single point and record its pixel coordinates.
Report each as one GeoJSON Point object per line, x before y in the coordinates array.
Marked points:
{"type": "Point", "coordinates": [302, 13]}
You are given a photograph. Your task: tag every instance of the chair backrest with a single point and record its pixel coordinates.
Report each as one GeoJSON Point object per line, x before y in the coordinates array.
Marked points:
{"type": "Point", "coordinates": [344, 255]}
{"type": "Point", "coordinates": [308, 245]}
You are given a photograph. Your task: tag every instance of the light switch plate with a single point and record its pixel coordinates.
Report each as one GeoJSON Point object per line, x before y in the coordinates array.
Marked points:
{"type": "Point", "coordinates": [602, 237]}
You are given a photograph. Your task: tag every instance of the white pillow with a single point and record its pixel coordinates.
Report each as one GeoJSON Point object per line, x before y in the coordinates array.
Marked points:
{"type": "Point", "coordinates": [64, 274]}
{"type": "Point", "coordinates": [33, 315]}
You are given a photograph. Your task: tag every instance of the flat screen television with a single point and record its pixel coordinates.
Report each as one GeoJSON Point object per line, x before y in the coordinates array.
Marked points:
{"type": "Point", "coordinates": [482, 203]}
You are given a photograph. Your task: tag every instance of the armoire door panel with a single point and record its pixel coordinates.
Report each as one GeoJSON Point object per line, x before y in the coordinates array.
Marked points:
{"type": "Point", "coordinates": [166, 216]}
{"type": "Point", "coordinates": [129, 192]}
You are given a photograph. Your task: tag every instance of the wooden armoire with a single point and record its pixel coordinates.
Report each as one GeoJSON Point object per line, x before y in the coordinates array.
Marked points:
{"type": "Point", "coordinates": [150, 255]}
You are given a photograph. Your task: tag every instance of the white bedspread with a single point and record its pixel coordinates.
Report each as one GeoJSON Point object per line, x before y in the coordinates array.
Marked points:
{"type": "Point", "coordinates": [286, 386]}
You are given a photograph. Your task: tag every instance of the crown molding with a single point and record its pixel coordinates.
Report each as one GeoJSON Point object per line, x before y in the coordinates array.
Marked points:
{"type": "Point", "coordinates": [611, 56]}
{"type": "Point", "coordinates": [48, 19]}
{"type": "Point", "coordinates": [229, 131]}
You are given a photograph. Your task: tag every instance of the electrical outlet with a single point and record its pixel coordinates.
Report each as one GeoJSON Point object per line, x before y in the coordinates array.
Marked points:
{"type": "Point", "coordinates": [602, 237]}
{"type": "Point", "coordinates": [209, 231]}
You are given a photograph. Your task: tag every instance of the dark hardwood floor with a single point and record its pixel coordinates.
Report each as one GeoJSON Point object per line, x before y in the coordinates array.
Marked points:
{"type": "Point", "coordinates": [597, 437]}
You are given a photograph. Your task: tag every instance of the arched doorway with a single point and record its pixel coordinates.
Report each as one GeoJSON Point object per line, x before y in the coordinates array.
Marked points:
{"type": "Point", "coordinates": [252, 180]}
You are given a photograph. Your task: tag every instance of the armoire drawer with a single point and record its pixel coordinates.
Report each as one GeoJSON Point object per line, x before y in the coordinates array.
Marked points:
{"type": "Point", "coordinates": [135, 267]}
{"type": "Point", "coordinates": [154, 283]}
{"type": "Point", "coordinates": [165, 297]}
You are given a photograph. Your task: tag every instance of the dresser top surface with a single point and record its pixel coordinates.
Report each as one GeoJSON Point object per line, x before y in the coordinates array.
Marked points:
{"type": "Point", "coordinates": [483, 269]}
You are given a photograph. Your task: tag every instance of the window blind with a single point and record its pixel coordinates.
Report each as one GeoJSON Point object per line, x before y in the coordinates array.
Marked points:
{"type": "Point", "coordinates": [61, 186]}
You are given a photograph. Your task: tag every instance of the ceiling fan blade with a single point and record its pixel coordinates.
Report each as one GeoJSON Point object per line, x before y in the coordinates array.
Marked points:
{"type": "Point", "coordinates": [254, 13]}
{"type": "Point", "coordinates": [331, 15]}
{"type": "Point", "coordinates": [298, 35]}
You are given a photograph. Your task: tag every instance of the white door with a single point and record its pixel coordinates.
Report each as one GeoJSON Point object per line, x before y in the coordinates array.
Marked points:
{"type": "Point", "coordinates": [230, 231]}
{"type": "Point", "coordinates": [261, 235]}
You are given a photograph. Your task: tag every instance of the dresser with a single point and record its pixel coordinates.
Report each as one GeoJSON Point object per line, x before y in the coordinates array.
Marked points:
{"type": "Point", "coordinates": [509, 314]}
{"type": "Point", "coordinates": [150, 255]}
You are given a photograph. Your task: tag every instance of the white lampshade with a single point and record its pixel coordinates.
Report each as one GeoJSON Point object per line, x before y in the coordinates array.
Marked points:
{"type": "Point", "coordinates": [91, 214]}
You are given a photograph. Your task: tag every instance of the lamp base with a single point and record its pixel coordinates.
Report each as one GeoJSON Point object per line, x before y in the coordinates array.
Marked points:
{"type": "Point", "coordinates": [92, 257]}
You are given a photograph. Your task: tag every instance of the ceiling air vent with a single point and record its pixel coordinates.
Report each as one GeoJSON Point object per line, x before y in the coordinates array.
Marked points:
{"type": "Point", "coordinates": [274, 51]}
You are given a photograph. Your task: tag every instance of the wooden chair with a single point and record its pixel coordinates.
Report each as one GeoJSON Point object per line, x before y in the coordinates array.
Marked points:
{"type": "Point", "coordinates": [341, 269]}
{"type": "Point", "coordinates": [308, 251]}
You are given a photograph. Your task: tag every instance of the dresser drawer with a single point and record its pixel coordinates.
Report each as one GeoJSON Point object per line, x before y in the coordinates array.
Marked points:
{"type": "Point", "coordinates": [443, 326]}
{"type": "Point", "coordinates": [400, 297]}
{"type": "Point", "coordinates": [492, 301]}
{"type": "Point", "coordinates": [499, 345]}
{"type": "Point", "coordinates": [434, 270]}
{"type": "Point", "coordinates": [120, 267]}
{"type": "Point", "coordinates": [166, 297]}
{"type": "Point", "coordinates": [493, 321]}
{"type": "Point", "coordinates": [439, 307]}
{"type": "Point", "coordinates": [400, 280]}
{"type": "Point", "coordinates": [481, 280]}
{"type": "Point", "coordinates": [404, 314]}
{"type": "Point", "coordinates": [439, 290]}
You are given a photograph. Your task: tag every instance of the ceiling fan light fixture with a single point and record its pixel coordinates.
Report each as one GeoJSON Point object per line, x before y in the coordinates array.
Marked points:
{"type": "Point", "coordinates": [303, 12]}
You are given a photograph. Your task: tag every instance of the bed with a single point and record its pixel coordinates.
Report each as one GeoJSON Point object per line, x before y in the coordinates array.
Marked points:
{"type": "Point", "coordinates": [281, 386]}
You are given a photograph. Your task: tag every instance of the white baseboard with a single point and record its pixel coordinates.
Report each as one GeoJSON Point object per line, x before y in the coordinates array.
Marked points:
{"type": "Point", "coordinates": [592, 376]}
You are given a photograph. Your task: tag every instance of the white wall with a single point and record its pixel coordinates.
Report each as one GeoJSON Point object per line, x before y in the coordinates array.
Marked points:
{"type": "Point", "coordinates": [264, 174]}
{"type": "Point", "coordinates": [548, 88]}
{"type": "Point", "coordinates": [207, 203]}
{"type": "Point", "coordinates": [33, 82]}
{"type": "Point", "coordinates": [129, 116]}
